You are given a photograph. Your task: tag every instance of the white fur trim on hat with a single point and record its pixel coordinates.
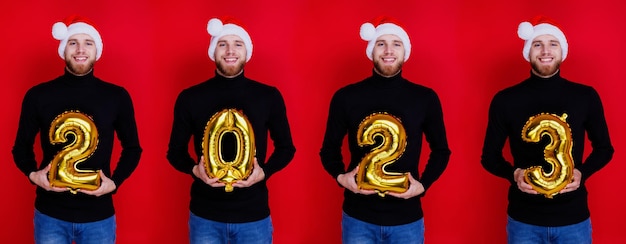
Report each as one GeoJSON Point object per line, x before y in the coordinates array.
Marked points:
{"type": "Point", "coordinates": [217, 29]}
{"type": "Point", "coordinates": [62, 33]}
{"type": "Point", "coordinates": [370, 34]}
{"type": "Point", "coordinates": [527, 32]}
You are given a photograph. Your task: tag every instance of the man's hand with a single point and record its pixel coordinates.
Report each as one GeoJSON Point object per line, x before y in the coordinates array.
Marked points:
{"type": "Point", "coordinates": [200, 172]}
{"type": "Point", "coordinates": [518, 176]}
{"type": "Point", "coordinates": [40, 178]}
{"type": "Point", "coordinates": [106, 186]}
{"type": "Point", "coordinates": [257, 175]}
{"type": "Point", "coordinates": [348, 181]}
{"type": "Point", "coordinates": [575, 184]}
{"type": "Point", "coordinates": [415, 189]}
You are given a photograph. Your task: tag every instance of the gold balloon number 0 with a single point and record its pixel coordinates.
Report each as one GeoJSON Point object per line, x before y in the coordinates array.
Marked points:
{"type": "Point", "coordinates": [228, 172]}
{"type": "Point", "coordinates": [372, 174]}
{"type": "Point", "coordinates": [558, 153]}
{"type": "Point", "coordinates": [64, 171]}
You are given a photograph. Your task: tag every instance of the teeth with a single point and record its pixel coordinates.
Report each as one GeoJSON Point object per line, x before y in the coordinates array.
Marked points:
{"type": "Point", "coordinates": [389, 59]}
{"type": "Point", "coordinates": [230, 59]}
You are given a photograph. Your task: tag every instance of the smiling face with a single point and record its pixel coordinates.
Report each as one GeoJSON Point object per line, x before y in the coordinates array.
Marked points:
{"type": "Point", "coordinates": [388, 55]}
{"type": "Point", "coordinates": [80, 54]}
{"type": "Point", "coordinates": [230, 55]}
{"type": "Point", "coordinates": [545, 55]}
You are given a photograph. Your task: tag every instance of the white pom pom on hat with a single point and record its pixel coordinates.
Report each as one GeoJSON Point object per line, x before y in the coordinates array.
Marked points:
{"type": "Point", "coordinates": [525, 30]}
{"type": "Point", "coordinates": [537, 26]}
{"type": "Point", "coordinates": [75, 24]}
{"type": "Point", "coordinates": [226, 25]}
{"type": "Point", "coordinates": [59, 31]}
{"type": "Point", "coordinates": [384, 25]}
{"type": "Point", "coordinates": [368, 31]}
{"type": "Point", "coordinates": [215, 27]}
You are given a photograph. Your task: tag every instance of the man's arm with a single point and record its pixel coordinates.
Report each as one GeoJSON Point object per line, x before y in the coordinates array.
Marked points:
{"type": "Point", "coordinates": [435, 133]}
{"type": "Point", "coordinates": [126, 129]}
{"type": "Point", "coordinates": [598, 134]}
{"type": "Point", "coordinates": [23, 153]}
{"type": "Point", "coordinates": [178, 149]}
{"type": "Point", "coordinates": [336, 129]}
{"type": "Point", "coordinates": [495, 138]}
{"type": "Point", "coordinates": [280, 133]}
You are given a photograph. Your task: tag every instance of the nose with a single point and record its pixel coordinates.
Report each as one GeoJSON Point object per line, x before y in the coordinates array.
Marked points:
{"type": "Point", "coordinates": [230, 49]}
{"type": "Point", "coordinates": [388, 49]}
{"type": "Point", "coordinates": [80, 48]}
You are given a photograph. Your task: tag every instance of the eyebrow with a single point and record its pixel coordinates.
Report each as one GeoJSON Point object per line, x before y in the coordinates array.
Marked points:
{"type": "Point", "coordinates": [551, 41]}
{"type": "Point", "coordinates": [237, 41]}
{"type": "Point", "coordinates": [394, 41]}
{"type": "Point", "coordinates": [87, 40]}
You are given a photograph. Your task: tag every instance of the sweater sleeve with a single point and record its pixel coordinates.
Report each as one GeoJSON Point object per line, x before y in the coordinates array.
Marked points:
{"type": "Point", "coordinates": [495, 138]}
{"type": "Point", "coordinates": [178, 150]}
{"type": "Point", "coordinates": [336, 129]}
{"type": "Point", "coordinates": [280, 133]}
{"type": "Point", "coordinates": [126, 129]}
{"type": "Point", "coordinates": [598, 134]}
{"type": "Point", "coordinates": [23, 153]}
{"type": "Point", "coordinates": [435, 133]}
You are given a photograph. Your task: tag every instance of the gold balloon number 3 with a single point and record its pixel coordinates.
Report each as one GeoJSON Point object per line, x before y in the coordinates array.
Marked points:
{"type": "Point", "coordinates": [64, 171]}
{"type": "Point", "coordinates": [372, 174]}
{"type": "Point", "coordinates": [228, 172]}
{"type": "Point", "coordinates": [558, 153]}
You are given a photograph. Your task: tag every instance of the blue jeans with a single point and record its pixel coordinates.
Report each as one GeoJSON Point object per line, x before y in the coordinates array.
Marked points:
{"type": "Point", "coordinates": [204, 231]}
{"type": "Point", "coordinates": [360, 232]}
{"type": "Point", "coordinates": [520, 233]}
{"type": "Point", "coordinates": [54, 231]}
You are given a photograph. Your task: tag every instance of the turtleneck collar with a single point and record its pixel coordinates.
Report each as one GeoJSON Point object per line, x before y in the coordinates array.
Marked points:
{"type": "Point", "coordinates": [552, 80]}
{"type": "Point", "coordinates": [220, 80]}
{"type": "Point", "coordinates": [378, 79]}
{"type": "Point", "coordinates": [73, 79]}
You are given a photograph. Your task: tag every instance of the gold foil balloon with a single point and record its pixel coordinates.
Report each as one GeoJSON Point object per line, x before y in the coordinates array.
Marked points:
{"type": "Point", "coordinates": [558, 153]}
{"type": "Point", "coordinates": [228, 121]}
{"type": "Point", "coordinates": [64, 170]}
{"type": "Point", "coordinates": [372, 174]}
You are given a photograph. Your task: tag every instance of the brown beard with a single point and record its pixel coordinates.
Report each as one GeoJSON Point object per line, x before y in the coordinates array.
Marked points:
{"type": "Point", "coordinates": [545, 70]}
{"type": "Point", "coordinates": [229, 70]}
{"type": "Point", "coordinates": [79, 69]}
{"type": "Point", "coordinates": [387, 70]}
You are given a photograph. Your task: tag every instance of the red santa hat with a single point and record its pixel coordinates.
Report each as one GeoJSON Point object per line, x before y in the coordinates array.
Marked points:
{"type": "Point", "coordinates": [540, 25]}
{"type": "Point", "coordinates": [219, 27]}
{"type": "Point", "coordinates": [383, 25]}
{"type": "Point", "coordinates": [75, 24]}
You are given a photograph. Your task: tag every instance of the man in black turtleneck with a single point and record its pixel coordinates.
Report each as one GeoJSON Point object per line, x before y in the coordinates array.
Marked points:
{"type": "Point", "coordinates": [402, 113]}
{"type": "Point", "coordinates": [241, 215]}
{"type": "Point", "coordinates": [83, 214]}
{"type": "Point", "coordinates": [536, 214]}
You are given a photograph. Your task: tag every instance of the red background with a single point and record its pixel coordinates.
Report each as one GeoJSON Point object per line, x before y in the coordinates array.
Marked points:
{"type": "Point", "coordinates": [465, 50]}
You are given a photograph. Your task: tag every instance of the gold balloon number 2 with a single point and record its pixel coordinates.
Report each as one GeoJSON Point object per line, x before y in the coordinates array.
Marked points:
{"type": "Point", "coordinates": [372, 174]}
{"type": "Point", "coordinates": [64, 170]}
{"type": "Point", "coordinates": [228, 121]}
{"type": "Point", "coordinates": [558, 153]}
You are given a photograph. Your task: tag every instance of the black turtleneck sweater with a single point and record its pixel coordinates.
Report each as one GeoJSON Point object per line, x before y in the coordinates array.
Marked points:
{"type": "Point", "coordinates": [111, 109]}
{"type": "Point", "coordinates": [419, 109]}
{"type": "Point", "coordinates": [264, 107]}
{"type": "Point", "coordinates": [508, 113]}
